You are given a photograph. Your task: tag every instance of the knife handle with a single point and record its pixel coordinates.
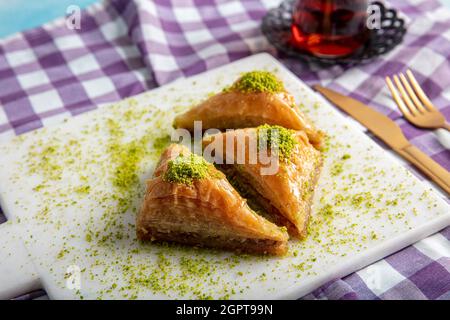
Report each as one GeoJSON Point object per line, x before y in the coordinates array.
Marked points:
{"type": "Point", "coordinates": [427, 165]}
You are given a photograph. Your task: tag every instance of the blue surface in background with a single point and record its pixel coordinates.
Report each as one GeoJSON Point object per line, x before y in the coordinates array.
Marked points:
{"type": "Point", "coordinates": [18, 15]}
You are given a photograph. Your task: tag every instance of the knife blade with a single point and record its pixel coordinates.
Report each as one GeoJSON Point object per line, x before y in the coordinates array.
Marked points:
{"type": "Point", "coordinates": [390, 133]}
{"type": "Point", "coordinates": [379, 124]}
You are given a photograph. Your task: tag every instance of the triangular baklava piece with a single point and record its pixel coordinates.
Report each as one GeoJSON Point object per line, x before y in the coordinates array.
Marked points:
{"type": "Point", "coordinates": [256, 98]}
{"type": "Point", "coordinates": [282, 195]}
{"type": "Point", "coordinates": [190, 202]}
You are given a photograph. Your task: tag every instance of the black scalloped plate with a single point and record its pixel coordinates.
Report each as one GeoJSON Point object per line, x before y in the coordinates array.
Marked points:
{"type": "Point", "coordinates": [276, 26]}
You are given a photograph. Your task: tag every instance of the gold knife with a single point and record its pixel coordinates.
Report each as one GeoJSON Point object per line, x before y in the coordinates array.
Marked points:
{"type": "Point", "coordinates": [391, 134]}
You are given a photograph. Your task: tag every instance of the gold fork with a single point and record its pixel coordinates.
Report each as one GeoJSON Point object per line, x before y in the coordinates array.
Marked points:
{"type": "Point", "coordinates": [414, 104]}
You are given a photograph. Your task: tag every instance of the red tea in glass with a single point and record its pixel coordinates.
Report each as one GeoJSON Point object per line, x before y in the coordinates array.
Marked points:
{"type": "Point", "coordinates": [329, 28]}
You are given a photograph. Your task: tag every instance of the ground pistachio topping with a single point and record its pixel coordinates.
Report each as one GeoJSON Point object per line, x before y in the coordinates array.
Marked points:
{"type": "Point", "coordinates": [257, 81]}
{"type": "Point", "coordinates": [185, 169]}
{"type": "Point", "coordinates": [277, 138]}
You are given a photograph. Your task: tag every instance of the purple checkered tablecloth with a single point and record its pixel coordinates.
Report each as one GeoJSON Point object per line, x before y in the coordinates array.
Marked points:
{"type": "Point", "coordinates": [126, 47]}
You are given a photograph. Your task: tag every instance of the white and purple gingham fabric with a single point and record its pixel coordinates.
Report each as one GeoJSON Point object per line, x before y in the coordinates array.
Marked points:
{"type": "Point", "coordinates": [126, 47]}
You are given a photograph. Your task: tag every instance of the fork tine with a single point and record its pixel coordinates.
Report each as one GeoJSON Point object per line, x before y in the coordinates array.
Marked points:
{"type": "Point", "coordinates": [397, 98]}
{"type": "Point", "coordinates": [423, 97]}
{"type": "Point", "coordinates": [411, 93]}
{"type": "Point", "coordinates": [409, 104]}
